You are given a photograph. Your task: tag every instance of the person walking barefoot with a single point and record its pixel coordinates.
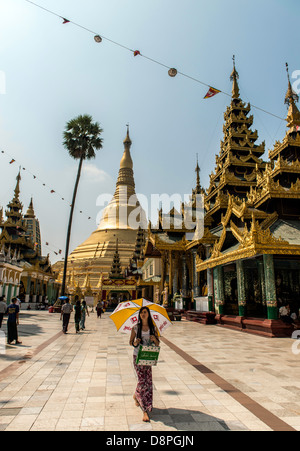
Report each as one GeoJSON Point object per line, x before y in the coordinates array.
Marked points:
{"type": "Point", "coordinates": [144, 333]}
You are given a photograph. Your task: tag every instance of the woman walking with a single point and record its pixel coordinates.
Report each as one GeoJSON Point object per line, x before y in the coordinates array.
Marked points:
{"type": "Point", "coordinates": [84, 311]}
{"type": "Point", "coordinates": [77, 315]}
{"type": "Point", "coordinates": [144, 333]}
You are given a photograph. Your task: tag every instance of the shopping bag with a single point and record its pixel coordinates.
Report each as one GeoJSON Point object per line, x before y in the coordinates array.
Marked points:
{"type": "Point", "coordinates": [148, 355]}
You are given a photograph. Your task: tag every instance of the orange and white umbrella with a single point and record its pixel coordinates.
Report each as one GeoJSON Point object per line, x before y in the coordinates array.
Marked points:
{"type": "Point", "coordinates": [126, 315]}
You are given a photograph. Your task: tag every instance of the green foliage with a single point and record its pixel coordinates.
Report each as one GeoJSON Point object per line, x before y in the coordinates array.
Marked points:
{"type": "Point", "coordinates": [82, 137]}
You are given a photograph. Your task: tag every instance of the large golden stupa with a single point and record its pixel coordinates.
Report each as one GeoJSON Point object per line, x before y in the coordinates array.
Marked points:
{"type": "Point", "coordinates": [91, 261]}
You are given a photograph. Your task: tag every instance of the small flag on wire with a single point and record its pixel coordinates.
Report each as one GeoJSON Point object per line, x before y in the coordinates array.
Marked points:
{"type": "Point", "coordinates": [211, 92]}
{"type": "Point", "coordinates": [52, 191]}
{"type": "Point", "coordinates": [12, 161]}
{"type": "Point", "coordinates": [65, 20]}
{"type": "Point", "coordinates": [136, 53]}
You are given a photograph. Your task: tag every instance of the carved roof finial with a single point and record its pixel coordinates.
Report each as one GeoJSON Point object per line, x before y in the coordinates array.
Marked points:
{"type": "Point", "coordinates": [293, 117]}
{"type": "Point", "coordinates": [234, 78]}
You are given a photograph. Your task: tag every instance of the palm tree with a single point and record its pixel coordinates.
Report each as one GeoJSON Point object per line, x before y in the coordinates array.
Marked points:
{"type": "Point", "coordinates": [81, 139]}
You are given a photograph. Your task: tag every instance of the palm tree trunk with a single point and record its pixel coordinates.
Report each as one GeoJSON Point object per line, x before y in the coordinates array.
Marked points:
{"type": "Point", "coordinates": [63, 287]}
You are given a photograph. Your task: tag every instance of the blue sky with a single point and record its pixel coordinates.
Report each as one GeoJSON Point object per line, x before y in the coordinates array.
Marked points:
{"type": "Point", "coordinates": [54, 72]}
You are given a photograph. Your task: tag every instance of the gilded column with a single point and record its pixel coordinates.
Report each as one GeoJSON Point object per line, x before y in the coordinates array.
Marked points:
{"type": "Point", "coordinates": [170, 273]}
{"type": "Point", "coordinates": [184, 281]}
{"type": "Point", "coordinates": [261, 275]}
{"type": "Point", "coordinates": [210, 282]}
{"type": "Point", "coordinates": [196, 288]}
{"type": "Point", "coordinates": [240, 273]}
{"type": "Point", "coordinates": [270, 286]}
{"type": "Point", "coordinates": [219, 289]}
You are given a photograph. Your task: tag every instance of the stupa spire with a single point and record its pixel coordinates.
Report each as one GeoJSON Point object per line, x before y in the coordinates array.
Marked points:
{"type": "Point", "coordinates": [234, 78]}
{"type": "Point", "coordinates": [30, 212]}
{"type": "Point", "coordinates": [17, 188]}
{"type": "Point", "coordinates": [293, 117]}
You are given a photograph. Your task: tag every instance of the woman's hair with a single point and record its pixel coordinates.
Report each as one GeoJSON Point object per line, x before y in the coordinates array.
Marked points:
{"type": "Point", "coordinates": [150, 324]}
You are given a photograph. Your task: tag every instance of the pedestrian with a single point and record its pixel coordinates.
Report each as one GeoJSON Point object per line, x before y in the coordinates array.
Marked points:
{"type": "Point", "coordinates": [66, 311]}
{"type": "Point", "coordinates": [99, 309]}
{"type": "Point", "coordinates": [3, 308]}
{"type": "Point", "coordinates": [12, 322]}
{"type": "Point", "coordinates": [84, 311]}
{"type": "Point", "coordinates": [143, 333]}
{"type": "Point", "coordinates": [77, 316]}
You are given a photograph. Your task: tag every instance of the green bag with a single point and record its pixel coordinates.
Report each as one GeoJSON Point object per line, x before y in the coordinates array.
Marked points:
{"type": "Point", "coordinates": [148, 355]}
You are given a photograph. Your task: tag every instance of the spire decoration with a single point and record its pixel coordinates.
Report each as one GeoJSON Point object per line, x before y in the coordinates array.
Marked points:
{"type": "Point", "coordinates": [234, 78]}
{"type": "Point", "coordinates": [116, 271]}
{"type": "Point", "coordinates": [293, 117]}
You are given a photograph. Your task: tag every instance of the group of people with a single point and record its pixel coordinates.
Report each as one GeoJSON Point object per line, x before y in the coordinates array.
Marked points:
{"type": "Point", "coordinates": [12, 310]}
{"type": "Point", "coordinates": [81, 311]}
{"type": "Point", "coordinates": [143, 333]}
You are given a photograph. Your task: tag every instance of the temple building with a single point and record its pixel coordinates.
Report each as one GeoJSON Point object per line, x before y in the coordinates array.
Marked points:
{"type": "Point", "coordinates": [114, 241]}
{"type": "Point", "coordinates": [245, 264]}
{"type": "Point", "coordinates": [253, 268]}
{"type": "Point", "coordinates": [24, 272]}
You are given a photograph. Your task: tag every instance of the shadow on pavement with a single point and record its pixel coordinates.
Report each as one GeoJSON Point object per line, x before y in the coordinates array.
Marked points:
{"type": "Point", "coordinates": [188, 420]}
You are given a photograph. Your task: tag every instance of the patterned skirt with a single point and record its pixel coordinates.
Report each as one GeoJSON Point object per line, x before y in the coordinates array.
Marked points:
{"type": "Point", "coordinates": [144, 388]}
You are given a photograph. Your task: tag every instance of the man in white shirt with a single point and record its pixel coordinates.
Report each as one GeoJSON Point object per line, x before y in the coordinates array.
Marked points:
{"type": "Point", "coordinates": [3, 308]}
{"type": "Point", "coordinates": [66, 311]}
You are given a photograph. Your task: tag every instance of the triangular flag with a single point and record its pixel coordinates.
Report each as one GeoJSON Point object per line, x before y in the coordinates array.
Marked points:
{"type": "Point", "coordinates": [136, 52]}
{"type": "Point", "coordinates": [211, 92]}
{"type": "Point", "coordinates": [65, 20]}
{"type": "Point", "coordinates": [12, 161]}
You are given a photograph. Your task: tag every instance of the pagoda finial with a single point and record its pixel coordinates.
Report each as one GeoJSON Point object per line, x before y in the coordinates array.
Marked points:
{"type": "Point", "coordinates": [17, 188]}
{"type": "Point", "coordinates": [197, 170]}
{"type": "Point", "coordinates": [126, 161]}
{"type": "Point", "coordinates": [293, 117]}
{"type": "Point", "coordinates": [127, 140]}
{"type": "Point", "coordinates": [234, 78]}
{"type": "Point", "coordinates": [30, 212]}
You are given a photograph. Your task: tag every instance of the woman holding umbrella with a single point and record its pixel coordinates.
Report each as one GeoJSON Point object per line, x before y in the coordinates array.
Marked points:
{"type": "Point", "coordinates": [143, 333]}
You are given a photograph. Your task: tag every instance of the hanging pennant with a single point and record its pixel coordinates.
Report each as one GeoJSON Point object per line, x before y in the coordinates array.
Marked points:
{"type": "Point", "coordinates": [211, 92]}
{"type": "Point", "coordinates": [65, 20]}
{"type": "Point", "coordinates": [98, 38]}
{"type": "Point", "coordinates": [136, 53]}
{"type": "Point", "coordinates": [12, 161]}
{"type": "Point", "coordinates": [52, 191]}
{"type": "Point", "coordinates": [172, 72]}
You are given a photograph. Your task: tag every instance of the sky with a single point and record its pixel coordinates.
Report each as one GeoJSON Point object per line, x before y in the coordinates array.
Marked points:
{"type": "Point", "coordinates": [51, 72]}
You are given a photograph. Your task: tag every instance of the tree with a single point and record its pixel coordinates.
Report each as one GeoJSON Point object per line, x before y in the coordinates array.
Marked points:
{"type": "Point", "coordinates": [81, 139]}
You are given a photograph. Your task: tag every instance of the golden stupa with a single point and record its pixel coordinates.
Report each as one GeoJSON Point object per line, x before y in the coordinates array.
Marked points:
{"type": "Point", "coordinates": [118, 227]}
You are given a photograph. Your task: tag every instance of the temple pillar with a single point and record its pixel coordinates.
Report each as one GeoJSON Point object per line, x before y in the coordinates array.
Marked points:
{"type": "Point", "coordinates": [175, 279]}
{"type": "Point", "coordinates": [270, 286]}
{"type": "Point", "coordinates": [210, 288]}
{"type": "Point", "coordinates": [240, 273]}
{"type": "Point", "coordinates": [28, 287]}
{"type": "Point", "coordinates": [196, 288]}
{"type": "Point", "coordinates": [170, 273]}
{"type": "Point", "coordinates": [184, 284]}
{"type": "Point", "coordinates": [261, 276]}
{"type": "Point", "coordinates": [210, 281]}
{"type": "Point", "coordinates": [219, 289]}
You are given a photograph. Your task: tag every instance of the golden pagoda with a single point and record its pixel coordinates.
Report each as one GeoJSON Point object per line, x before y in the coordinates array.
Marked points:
{"type": "Point", "coordinates": [119, 223]}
